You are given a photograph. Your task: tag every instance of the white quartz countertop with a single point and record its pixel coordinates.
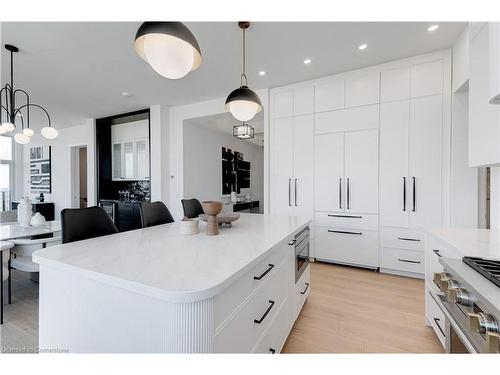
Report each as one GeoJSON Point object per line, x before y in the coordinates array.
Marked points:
{"type": "Point", "coordinates": [160, 262]}
{"type": "Point", "coordinates": [482, 243]}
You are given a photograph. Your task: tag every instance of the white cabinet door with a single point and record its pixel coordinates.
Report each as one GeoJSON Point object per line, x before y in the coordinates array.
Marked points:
{"type": "Point", "coordinates": [303, 145]}
{"type": "Point", "coordinates": [281, 166]}
{"type": "Point", "coordinates": [329, 172]}
{"type": "Point", "coordinates": [303, 101]}
{"type": "Point", "coordinates": [142, 155]}
{"type": "Point", "coordinates": [427, 79]}
{"type": "Point", "coordinates": [329, 96]}
{"type": "Point", "coordinates": [128, 160]}
{"type": "Point", "coordinates": [117, 161]}
{"type": "Point", "coordinates": [282, 104]}
{"type": "Point", "coordinates": [361, 171]}
{"type": "Point", "coordinates": [395, 84]}
{"type": "Point", "coordinates": [394, 184]}
{"type": "Point", "coordinates": [362, 90]}
{"type": "Point", "coordinates": [426, 119]}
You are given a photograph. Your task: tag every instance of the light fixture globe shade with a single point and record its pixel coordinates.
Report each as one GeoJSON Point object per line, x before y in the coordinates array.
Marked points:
{"type": "Point", "coordinates": [8, 126]}
{"type": "Point", "coordinates": [49, 132]}
{"type": "Point", "coordinates": [29, 132]}
{"type": "Point", "coordinates": [243, 103]}
{"type": "Point", "coordinates": [168, 47]}
{"type": "Point", "coordinates": [21, 138]}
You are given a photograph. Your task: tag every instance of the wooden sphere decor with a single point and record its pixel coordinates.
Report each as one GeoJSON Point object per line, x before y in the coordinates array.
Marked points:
{"type": "Point", "coordinates": [212, 209]}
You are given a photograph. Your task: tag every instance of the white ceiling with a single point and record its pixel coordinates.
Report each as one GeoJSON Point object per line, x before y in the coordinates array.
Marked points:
{"type": "Point", "coordinates": [79, 70]}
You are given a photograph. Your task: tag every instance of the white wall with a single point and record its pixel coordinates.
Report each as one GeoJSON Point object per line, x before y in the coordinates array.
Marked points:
{"type": "Point", "coordinates": [80, 135]}
{"type": "Point", "coordinates": [175, 145]}
{"type": "Point", "coordinates": [159, 148]}
{"type": "Point", "coordinates": [202, 162]}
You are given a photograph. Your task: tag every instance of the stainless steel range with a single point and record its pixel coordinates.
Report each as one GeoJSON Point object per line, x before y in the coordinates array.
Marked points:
{"type": "Point", "coordinates": [470, 301]}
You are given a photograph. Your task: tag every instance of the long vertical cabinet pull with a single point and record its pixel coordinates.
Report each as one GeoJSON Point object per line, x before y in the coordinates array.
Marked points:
{"type": "Point", "coordinates": [414, 194]}
{"type": "Point", "coordinates": [295, 192]}
{"type": "Point", "coordinates": [404, 193]}
{"type": "Point", "coordinates": [340, 193]}
{"type": "Point", "coordinates": [348, 195]}
{"type": "Point", "coordinates": [290, 192]}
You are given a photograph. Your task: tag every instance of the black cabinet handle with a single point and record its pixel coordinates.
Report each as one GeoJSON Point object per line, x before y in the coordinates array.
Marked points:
{"type": "Point", "coordinates": [272, 351]}
{"type": "Point", "coordinates": [404, 193]}
{"type": "Point", "coordinates": [292, 243]}
{"type": "Point", "coordinates": [346, 216]}
{"type": "Point", "coordinates": [409, 261]}
{"type": "Point", "coordinates": [408, 239]}
{"type": "Point", "coordinates": [305, 290]}
{"type": "Point", "coordinates": [295, 192]}
{"type": "Point", "coordinates": [414, 194]}
{"type": "Point", "coordinates": [435, 251]}
{"type": "Point", "coordinates": [271, 266]}
{"type": "Point", "coordinates": [290, 192]}
{"type": "Point", "coordinates": [344, 232]}
{"type": "Point", "coordinates": [348, 195]}
{"type": "Point", "coordinates": [437, 320]}
{"type": "Point", "coordinates": [258, 321]}
{"type": "Point", "coordinates": [340, 193]}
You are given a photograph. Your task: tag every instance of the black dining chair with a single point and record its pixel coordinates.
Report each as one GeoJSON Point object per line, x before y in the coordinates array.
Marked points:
{"type": "Point", "coordinates": [155, 213]}
{"type": "Point", "coordinates": [192, 208]}
{"type": "Point", "coordinates": [82, 223]}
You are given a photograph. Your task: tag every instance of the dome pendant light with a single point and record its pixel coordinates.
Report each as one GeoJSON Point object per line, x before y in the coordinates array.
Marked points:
{"type": "Point", "coordinates": [243, 103]}
{"type": "Point", "coordinates": [170, 48]}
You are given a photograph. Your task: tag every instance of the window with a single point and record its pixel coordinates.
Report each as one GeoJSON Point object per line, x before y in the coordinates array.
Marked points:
{"type": "Point", "coordinates": [6, 172]}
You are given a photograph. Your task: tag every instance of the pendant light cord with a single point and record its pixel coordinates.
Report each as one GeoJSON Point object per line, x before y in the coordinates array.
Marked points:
{"type": "Point", "coordinates": [243, 75]}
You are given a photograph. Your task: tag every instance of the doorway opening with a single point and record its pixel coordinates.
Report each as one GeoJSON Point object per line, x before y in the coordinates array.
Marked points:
{"type": "Point", "coordinates": [79, 177]}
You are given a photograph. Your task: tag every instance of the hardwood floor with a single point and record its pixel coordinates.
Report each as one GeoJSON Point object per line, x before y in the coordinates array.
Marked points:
{"type": "Point", "coordinates": [350, 310]}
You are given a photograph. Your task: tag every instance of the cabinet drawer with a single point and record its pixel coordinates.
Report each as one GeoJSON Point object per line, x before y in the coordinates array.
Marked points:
{"type": "Point", "coordinates": [240, 290]}
{"type": "Point", "coordinates": [273, 339]}
{"type": "Point", "coordinates": [302, 290]}
{"type": "Point", "coordinates": [356, 247]}
{"type": "Point", "coordinates": [402, 260]}
{"type": "Point", "coordinates": [435, 317]}
{"type": "Point", "coordinates": [346, 220]}
{"type": "Point", "coordinates": [242, 332]}
{"type": "Point", "coordinates": [402, 238]}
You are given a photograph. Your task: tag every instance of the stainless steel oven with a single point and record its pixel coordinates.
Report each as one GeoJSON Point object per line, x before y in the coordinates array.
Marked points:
{"type": "Point", "coordinates": [301, 242]}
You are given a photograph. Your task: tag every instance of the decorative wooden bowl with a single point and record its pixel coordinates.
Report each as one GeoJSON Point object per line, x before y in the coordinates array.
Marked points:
{"type": "Point", "coordinates": [212, 209]}
{"type": "Point", "coordinates": [224, 219]}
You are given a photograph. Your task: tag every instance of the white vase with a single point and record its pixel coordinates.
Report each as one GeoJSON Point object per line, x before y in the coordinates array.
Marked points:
{"type": "Point", "coordinates": [37, 219]}
{"type": "Point", "coordinates": [24, 212]}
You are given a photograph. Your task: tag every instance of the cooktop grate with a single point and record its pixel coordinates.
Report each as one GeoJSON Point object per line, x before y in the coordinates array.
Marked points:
{"type": "Point", "coordinates": [488, 268]}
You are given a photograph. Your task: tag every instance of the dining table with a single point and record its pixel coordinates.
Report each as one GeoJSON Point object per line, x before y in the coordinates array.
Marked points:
{"type": "Point", "coordinates": [11, 231]}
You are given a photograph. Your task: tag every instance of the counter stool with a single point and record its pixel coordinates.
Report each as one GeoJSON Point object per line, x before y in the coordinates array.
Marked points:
{"type": "Point", "coordinates": [5, 247]}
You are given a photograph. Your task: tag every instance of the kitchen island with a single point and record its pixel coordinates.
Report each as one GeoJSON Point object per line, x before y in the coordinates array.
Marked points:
{"type": "Point", "coordinates": [155, 290]}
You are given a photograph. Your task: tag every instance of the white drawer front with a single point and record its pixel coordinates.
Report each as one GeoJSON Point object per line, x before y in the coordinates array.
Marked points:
{"type": "Point", "coordinates": [302, 289]}
{"type": "Point", "coordinates": [235, 295]}
{"type": "Point", "coordinates": [401, 238]}
{"type": "Point", "coordinates": [346, 220]}
{"type": "Point", "coordinates": [433, 251]}
{"type": "Point", "coordinates": [357, 247]}
{"type": "Point", "coordinates": [402, 260]}
{"type": "Point", "coordinates": [435, 317]}
{"type": "Point", "coordinates": [242, 332]}
{"type": "Point", "coordinates": [273, 339]}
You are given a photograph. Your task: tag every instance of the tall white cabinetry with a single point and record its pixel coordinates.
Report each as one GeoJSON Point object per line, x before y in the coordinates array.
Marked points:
{"type": "Point", "coordinates": [372, 148]}
{"type": "Point", "coordinates": [411, 149]}
{"type": "Point", "coordinates": [291, 170]}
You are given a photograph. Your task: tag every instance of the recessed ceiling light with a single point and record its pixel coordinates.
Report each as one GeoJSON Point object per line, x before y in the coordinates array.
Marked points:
{"type": "Point", "coordinates": [126, 94]}
{"type": "Point", "coordinates": [433, 28]}
{"type": "Point", "coordinates": [262, 73]}
{"type": "Point", "coordinates": [362, 47]}
{"type": "Point", "coordinates": [307, 61]}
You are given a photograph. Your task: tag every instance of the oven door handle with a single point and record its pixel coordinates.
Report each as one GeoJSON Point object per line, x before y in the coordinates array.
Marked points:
{"type": "Point", "coordinates": [453, 324]}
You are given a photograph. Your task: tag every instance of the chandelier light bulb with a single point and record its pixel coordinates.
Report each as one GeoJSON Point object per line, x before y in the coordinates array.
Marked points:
{"type": "Point", "coordinates": [8, 126]}
{"type": "Point", "coordinates": [29, 132]}
{"type": "Point", "coordinates": [2, 130]}
{"type": "Point", "coordinates": [49, 132]}
{"type": "Point", "coordinates": [21, 138]}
